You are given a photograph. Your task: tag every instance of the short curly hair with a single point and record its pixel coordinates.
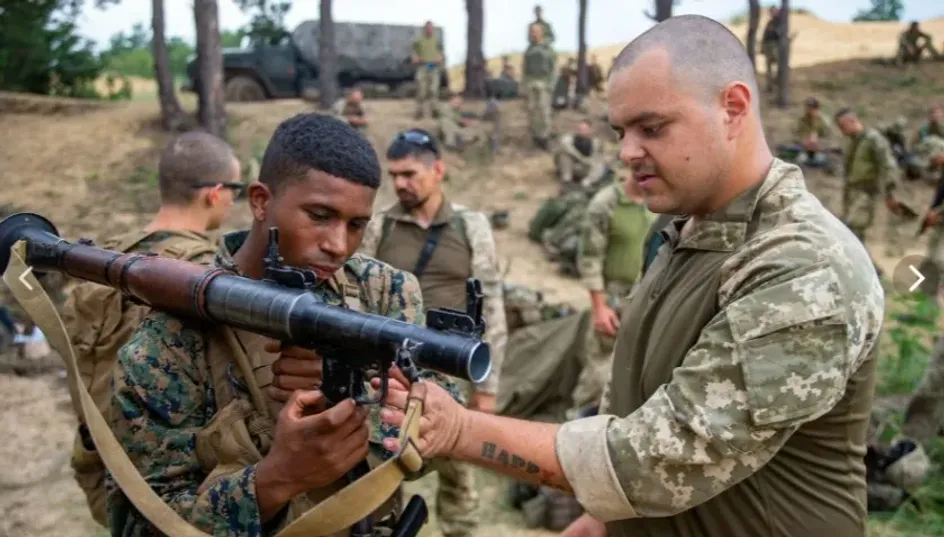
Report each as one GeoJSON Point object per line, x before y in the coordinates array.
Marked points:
{"type": "Point", "coordinates": [311, 141]}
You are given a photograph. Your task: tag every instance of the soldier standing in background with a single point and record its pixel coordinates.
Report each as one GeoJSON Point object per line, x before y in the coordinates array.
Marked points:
{"type": "Point", "coordinates": [770, 45]}
{"type": "Point", "coordinates": [579, 157]}
{"type": "Point", "coordinates": [610, 259]}
{"type": "Point", "coordinates": [443, 244]}
{"type": "Point", "coordinates": [350, 108]}
{"type": "Point", "coordinates": [548, 30]}
{"type": "Point", "coordinates": [870, 172]}
{"type": "Point", "coordinates": [198, 179]}
{"type": "Point", "coordinates": [427, 59]}
{"type": "Point", "coordinates": [539, 63]}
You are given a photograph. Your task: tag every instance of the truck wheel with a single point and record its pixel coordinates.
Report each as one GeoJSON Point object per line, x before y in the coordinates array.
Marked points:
{"type": "Point", "coordinates": [243, 88]}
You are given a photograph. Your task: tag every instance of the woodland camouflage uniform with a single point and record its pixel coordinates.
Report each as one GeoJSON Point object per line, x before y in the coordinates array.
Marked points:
{"type": "Point", "coordinates": [172, 379]}
{"type": "Point", "coordinates": [538, 68]}
{"type": "Point", "coordinates": [579, 159]}
{"type": "Point", "coordinates": [609, 259]}
{"type": "Point", "coordinates": [99, 321]}
{"type": "Point", "coordinates": [871, 173]}
{"type": "Point", "coordinates": [742, 379]}
{"type": "Point", "coordinates": [465, 249]}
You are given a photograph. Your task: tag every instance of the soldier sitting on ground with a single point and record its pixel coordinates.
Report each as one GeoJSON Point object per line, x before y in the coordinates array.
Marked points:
{"type": "Point", "coordinates": [351, 109]}
{"type": "Point", "coordinates": [912, 43]}
{"type": "Point", "coordinates": [811, 130]}
{"type": "Point", "coordinates": [934, 126]}
{"type": "Point", "coordinates": [579, 157]}
{"type": "Point", "coordinates": [457, 128]}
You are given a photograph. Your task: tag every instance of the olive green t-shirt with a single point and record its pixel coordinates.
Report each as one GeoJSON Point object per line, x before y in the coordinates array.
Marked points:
{"type": "Point", "coordinates": [427, 49]}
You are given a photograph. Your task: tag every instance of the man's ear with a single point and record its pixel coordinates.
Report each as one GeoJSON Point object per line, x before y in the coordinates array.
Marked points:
{"type": "Point", "coordinates": [213, 195]}
{"type": "Point", "coordinates": [440, 168]}
{"type": "Point", "coordinates": [736, 100]}
{"type": "Point", "coordinates": [259, 197]}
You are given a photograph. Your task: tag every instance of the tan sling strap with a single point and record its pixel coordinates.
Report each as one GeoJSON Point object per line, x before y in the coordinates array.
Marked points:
{"type": "Point", "coordinates": [334, 514]}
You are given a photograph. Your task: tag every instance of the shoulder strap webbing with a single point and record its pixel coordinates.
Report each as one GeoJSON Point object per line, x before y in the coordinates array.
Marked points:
{"type": "Point", "coordinates": [432, 240]}
{"type": "Point", "coordinates": [336, 513]}
{"type": "Point", "coordinates": [385, 230]}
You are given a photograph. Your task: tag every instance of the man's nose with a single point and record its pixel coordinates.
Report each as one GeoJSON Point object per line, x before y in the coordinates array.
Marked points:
{"type": "Point", "coordinates": [334, 241]}
{"type": "Point", "coordinates": [631, 150]}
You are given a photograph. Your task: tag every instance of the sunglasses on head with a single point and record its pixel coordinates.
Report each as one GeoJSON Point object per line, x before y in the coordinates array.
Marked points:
{"type": "Point", "coordinates": [418, 139]}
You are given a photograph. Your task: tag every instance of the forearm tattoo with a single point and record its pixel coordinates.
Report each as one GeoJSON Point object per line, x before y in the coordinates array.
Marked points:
{"type": "Point", "coordinates": [491, 452]}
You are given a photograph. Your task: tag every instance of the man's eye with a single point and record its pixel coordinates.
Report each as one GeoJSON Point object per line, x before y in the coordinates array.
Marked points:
{"type": "Point", "coordinates": [358, 225]}
{"type": "Point", "coordinates": [318, 216]}
{"type": "Point", "coordinates": [651, 130]}
{"type": "Point", "coordinates": [620, 133]}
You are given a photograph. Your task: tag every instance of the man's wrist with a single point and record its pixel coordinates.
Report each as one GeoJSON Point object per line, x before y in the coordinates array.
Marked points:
{"type": "Point", "coordinates": [272, 489]}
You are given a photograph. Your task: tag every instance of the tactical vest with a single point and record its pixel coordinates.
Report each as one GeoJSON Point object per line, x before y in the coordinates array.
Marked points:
{"type": "Point", "coordinates": [100, 321]}
{"type": "Point", "coordinates": [241, 432]}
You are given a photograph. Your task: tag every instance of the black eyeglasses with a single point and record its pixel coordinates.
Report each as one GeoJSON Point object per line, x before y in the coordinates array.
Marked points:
{"type": "Point", "coordinates": [237, 188]}
{"type": "Point", "coordinates": [419, 139]}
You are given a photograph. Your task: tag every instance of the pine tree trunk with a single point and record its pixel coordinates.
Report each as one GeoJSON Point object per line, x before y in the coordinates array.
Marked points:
{"type": "Point", "coordinates": [210, 97]}
{"type": "Point", "coordinates": [783, 61]}
{"type": "Point", "coordinates": [172, 115]}
{"type": "Point", "coordinates": [663, 10]}
{"type": "Point", "coordinates": [582, 74]}
{"type": "Point", "coordinates": [753, 22]}
{"type": "Point", "coordinates": [327, 58]}
{"type": "Point", "coordinates": [475, 83]}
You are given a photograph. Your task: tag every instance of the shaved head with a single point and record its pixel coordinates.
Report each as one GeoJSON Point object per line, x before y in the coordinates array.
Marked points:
{"type": "Point", "coordinates": [704, 54]}
{"type": "Point", "coordinates": [683, 98]}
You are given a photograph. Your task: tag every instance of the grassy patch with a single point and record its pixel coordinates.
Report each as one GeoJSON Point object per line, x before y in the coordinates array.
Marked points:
{"type": "Point", "coordinates": [910, 328]}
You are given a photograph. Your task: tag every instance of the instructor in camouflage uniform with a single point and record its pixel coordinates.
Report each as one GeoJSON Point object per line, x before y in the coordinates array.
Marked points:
{"type": "Point", "coordinates": [443, 244]}
{"type": "Point", "coordinates": [870, 171]}
{"type": "Point", "coordinates": [745, 361]}
{"type": "Point", "coordinates": [230, 464]}
{"type": "Point", "coordinates": [428, 61]}
{"type": "Point", "coordinates": [610, 260]}
{"type": "Point", "coordinates": [198, 178]}
{"type": "Point", "coordinates": [538, 67]}
{"type": "Point", "coordinates": [934, 126]}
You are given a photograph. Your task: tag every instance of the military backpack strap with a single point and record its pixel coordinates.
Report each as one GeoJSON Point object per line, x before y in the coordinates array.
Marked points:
{"type": "Point", "coordinates": [334, 514]}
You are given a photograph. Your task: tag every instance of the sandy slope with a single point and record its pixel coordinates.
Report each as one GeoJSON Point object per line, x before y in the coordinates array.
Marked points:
{"type": "Point", "coordinates": [817, 41]}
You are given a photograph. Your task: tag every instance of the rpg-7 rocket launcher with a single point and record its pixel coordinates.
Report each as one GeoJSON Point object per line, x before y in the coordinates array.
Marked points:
{"type": "Point", "coordinates": [280, 306]}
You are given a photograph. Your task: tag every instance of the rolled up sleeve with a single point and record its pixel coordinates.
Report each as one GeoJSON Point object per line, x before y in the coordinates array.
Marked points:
{"type": "Point", "coordinates": [769, 361]}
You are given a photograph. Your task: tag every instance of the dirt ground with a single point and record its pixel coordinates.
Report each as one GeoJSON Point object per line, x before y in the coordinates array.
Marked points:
{"type": "Point", "coordinates": [92, 171]}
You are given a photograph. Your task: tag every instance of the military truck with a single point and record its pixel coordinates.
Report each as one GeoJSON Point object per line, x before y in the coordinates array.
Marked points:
{"type": "Point", "coordinates": [376, 56]}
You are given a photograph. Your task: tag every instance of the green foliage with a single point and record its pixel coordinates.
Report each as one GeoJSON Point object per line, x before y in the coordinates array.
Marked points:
{"type": "Point", "coordinates": [911, 332]}
{"type": "Point", "coordinates": [130, 54]}
{"type": "Point", "coordinates": [267, 25]}
{"type": "Point", "coordinates": [925, 515]}
{"type": "Point", "coordinates": [882, 10]}
{"type": "Point", "coordinates": [41, 51]}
